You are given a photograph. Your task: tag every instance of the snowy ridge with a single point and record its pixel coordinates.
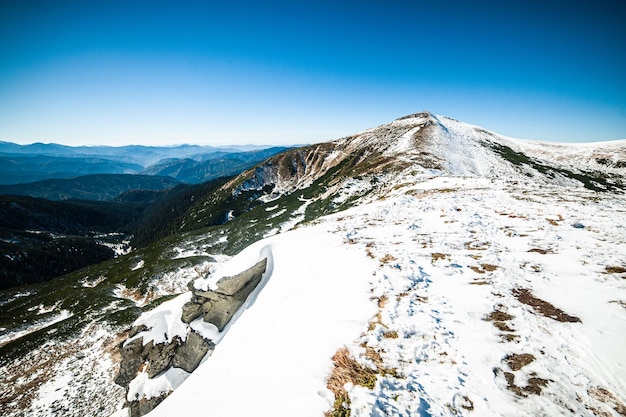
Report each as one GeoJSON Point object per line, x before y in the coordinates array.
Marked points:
{"type": "Point", "coordinates": [444, 261]}
{"type": "Point", "coordinates": [437, 144]}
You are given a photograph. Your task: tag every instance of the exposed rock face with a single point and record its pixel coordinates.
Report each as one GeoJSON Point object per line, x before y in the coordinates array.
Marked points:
{"type": "Point", "coordinates": [189, 355]}
{"type": "Point", "coordinates": [133, 357]}
{"type": "Point", "coordinates": [160, 357]}
{"type": "Point", "coordinates": [144, 406]}
{"type": "Point", "coordinates": [217, 307]}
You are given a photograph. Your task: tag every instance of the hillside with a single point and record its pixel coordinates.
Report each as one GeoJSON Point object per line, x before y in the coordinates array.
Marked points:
{"type": "Point", "coordinates": [97, 187]}
{"type": "Point", "coordinates": [422, 267]}
{"type": "Point", "coordinates": [42, 239]}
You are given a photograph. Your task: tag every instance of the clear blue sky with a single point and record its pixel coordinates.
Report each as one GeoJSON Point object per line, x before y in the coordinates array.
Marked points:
{"type": "Point", "coordinates": [154, 72]}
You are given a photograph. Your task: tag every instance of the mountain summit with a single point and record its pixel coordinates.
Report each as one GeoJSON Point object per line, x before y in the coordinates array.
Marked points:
{"type": "Point", "coordinates": [423, 267]}
{"type": "Point", "coordinates": [441, 145]}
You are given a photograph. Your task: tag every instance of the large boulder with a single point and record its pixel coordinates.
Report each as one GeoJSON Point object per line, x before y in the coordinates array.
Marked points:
{"type": "Point", "coordinates": [133, 356]}
{"type": "Point", "coordinates": [160, 357]}
{"type": "Point", "coordinates": [189, 354]}
{"type": "Point", "coordinates": [238, 283]}
{"type": "Point", "coordinates": [219, 306]}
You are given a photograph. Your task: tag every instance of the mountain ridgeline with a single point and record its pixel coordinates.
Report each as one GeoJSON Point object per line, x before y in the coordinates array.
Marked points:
{"type": "Point", "coordinates": [180, 233]}
{"type": "Point", "coordinates": [21, 164]}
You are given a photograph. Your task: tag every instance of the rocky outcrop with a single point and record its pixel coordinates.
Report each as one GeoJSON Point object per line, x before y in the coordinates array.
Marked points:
{"type": "Point", "coordinates": [133, 356]}
{"type": "Point", "coordinates": [215, 306]}
{"type": "Point", "coordinates": [189, 355]}
{"type": "Point", "coordinates": [218, 306]}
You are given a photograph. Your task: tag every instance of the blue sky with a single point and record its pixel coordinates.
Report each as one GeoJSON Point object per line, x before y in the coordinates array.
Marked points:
{"type": "Point", "coordinates": [239, 72]}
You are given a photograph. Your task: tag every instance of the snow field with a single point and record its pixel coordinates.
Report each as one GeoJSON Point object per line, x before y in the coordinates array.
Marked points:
{"type": "Point", "coordinates": [409, 284]}
{"type": "Point", "coordinates": [275, 358]}
{"type": "Point", "coordinates": [449, 258]}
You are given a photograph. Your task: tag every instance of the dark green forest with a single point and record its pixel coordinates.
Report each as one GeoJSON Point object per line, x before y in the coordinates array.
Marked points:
{"type": "Point", "coordinates": [42, 239]}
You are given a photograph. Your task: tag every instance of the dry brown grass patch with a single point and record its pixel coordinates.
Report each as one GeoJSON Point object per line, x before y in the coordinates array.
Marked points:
{"type": "Point", "coordinates": [555, 222]}
{"type": "Point", "coordinates": [391, 334]}
{"type": "Point", "coordinates": [534, 385]}
{"type": "Point", "coordinates": [347, 369]}
{"type": "Point", "coordinates": [387, 258]}
{"type": "Point", "coordinates": [437, 256]}
{"type": "Point", "coordinates": [476, 245]}
{"type": "Point", "coordinates": [606, 396]}
{"type": "Point", "coordinates": [476, 269]}
{"type": "Point", "coordinates": [518, 361]}
{"type": "Point", "coordinates": [614, 270]}
{"type": "Point", "coordinates": [382, 301]}
{"type": "Point", "coordinates": [499, 319]}
{"type": "Point", "coordinates": [489, 267]}
{"type": "Point", "coordinates": [542, 307]}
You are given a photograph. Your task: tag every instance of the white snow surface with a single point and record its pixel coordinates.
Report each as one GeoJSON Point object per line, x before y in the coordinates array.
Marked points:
{"type": "Point", "coordinates": [435, 258]}
{"type": "Point", "coordinates": [315, 299]}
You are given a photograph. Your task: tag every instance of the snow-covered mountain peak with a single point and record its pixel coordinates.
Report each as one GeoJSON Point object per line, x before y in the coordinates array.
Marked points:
{"type": "Point", "coordinates": [439, 145]}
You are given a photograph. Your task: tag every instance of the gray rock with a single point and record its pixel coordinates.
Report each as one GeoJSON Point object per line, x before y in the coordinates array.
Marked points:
{"type": "Point", "coordinates": [202, 296]}
{"type": "Point", "coordinates": [144, 406]}
{"type": "Point", "coordinates": [190, 353]}
{"type": "Point", "coordinates": [135, 330]}
{"type": "Point", "coordinates": [222, 311]}
{"type": "Point", "coordinates": [191, 311]}
{"type": "Point", "coordinates": [160, 357]}
{"type": "Point", "coordinates": [231, 293]}
{"type": "Point", "coordinates": [234, 284]}
{"type": "Point", "coordinates": [132, 358]}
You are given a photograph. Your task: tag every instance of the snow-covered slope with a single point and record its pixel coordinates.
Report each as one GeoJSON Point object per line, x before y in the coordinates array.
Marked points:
{"type": "Point", "coordinates": [492, 299]}
{"type": "Point", "coordinates": [496, 272]}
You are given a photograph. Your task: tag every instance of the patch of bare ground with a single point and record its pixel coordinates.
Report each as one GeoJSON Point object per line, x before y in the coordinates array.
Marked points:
{"type": "Point", "coordinates": [615, 270]}
{"type": "Point", "coordinates": [555, 222]}
{"type": "Point", "coordinates": [347, 369]}
{"type": "Point", "coordinates": [518, 361]}
{"type": "Point", "coordinates": [541, 251]}
{"type": "Point", "coordinates": [437, 256]}
{"type": "Point", "coordinates": [607, 397]}
{"type": "Point", "coordinates": [391, 334]}
{"type": "Point", "coordinates": [534, 385]}
{"type": "Point", "coordinates": [483, 268]}
{"type": "Point", "coordinates": [542, 307]}
{"type": "Point", "coordinates": [378, 319]}
{"type": "Point", "coordinates": [499, 319]}
{"type": "Point", "coordinates": [387, 258]}
{"type": "Point", "coordinates": [479, 283]}
{"type": "Point", "coordinates": [476, 245]}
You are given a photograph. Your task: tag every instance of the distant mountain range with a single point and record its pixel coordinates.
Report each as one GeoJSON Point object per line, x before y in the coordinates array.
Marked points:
{"type": "Point", "coordinates": [188, 163]}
